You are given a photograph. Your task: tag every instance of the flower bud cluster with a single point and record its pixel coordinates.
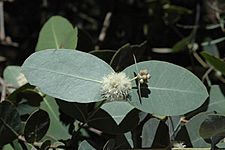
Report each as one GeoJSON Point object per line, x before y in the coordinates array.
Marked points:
{"type": "Point", "coordinates": [143, 76]}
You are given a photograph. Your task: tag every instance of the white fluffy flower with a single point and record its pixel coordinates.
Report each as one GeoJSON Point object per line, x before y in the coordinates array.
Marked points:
{"type": "Point", "coordinates": [116, 86]}
{"type": "Point", "coordinates": [179, 145]}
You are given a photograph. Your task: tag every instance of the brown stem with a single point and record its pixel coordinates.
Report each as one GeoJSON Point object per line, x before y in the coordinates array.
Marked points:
{"type": "Point", "coordinates": [3, 94]}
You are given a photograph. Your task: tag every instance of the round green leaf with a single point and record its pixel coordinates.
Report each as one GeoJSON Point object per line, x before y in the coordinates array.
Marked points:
{"type": "Point", "coordinates": [13, 75]}
{"type": "Point", "coordinates": [10, 123]}
{"type": "Point", "coordinates": [72, 76]}
{"type": "Point", "coordinates": [172, 90]}
{"type": "Point", "coordinates": [36, 126]}
{"type": "Point", "coordinates": [57, 33]}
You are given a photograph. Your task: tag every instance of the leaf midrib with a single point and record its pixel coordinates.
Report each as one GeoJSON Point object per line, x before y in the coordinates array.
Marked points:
{"type": "Point", "coordinates": [174, 90]}
{"type": "Point", "coordinates": [61, 73]}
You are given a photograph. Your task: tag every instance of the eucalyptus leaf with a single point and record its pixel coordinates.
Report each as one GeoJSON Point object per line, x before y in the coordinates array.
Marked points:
{"type": "Point", "coordinates": [8, 147]}
{"type": "Point", "coordinates": [170, 85]}
{"type": "Point", "coordinates": [56, 129]}
{"type": "Point", "coordinates": [13, 75]}
{"type": "Point", "coordinates": [75, 110]}
{"type": "Point", "coordinates": [36, 126]}
{"type": "Point", "coordinates": [110, 145]}
{"type": "Point", "coordinates": [105, 122]}
{"type": "Point", "coordinates": [217, 63]}
{"type": "Point", "coordinates": [176, 9]}
{"type": "Point", "coordinates": [149, 131]}
{"type": "Point", "coordinates": [105, 55]}
{"type": "Point", "coordinates": [57, 33]}
{"type": "Point", "coordinates": [193, 127]}
{"type": "Point", "coordinates": [217, 99]}
{"type": "Point", "coordinates": [216, 41]}
{"type": "Point", "coordinates": [85, 146]}
{"type": "Point", "coordinates": [124, 56]}
{"type": "Point", "coordinates": [118, 110]}
{"type": "Point", "coordinates": [10, 123]}
{"type": "Point", "coordinates": [213, 129]}
{"type": "Point", "coordinates": [66, 74]}
{"type": "Point", "coordinates": [211, 48]}
{"type": "Point", "coordinates": [128, 136]}
{"type": "Point", "coordinates": [182, 44]}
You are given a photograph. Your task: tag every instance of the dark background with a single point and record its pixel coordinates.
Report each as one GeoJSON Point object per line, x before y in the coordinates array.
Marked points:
{"type": "Point", "coordinates": [132, 21]}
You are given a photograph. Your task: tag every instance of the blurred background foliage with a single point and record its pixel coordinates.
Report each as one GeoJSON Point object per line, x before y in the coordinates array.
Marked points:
{"type": "Point", "coordinates": [162, 23]}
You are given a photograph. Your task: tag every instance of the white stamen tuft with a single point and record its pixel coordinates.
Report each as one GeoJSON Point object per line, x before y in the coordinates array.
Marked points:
{"type": "Point", "coordinates": [116, 86]}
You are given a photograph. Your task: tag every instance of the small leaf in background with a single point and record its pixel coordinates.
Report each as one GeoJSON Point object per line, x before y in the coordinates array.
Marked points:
{"type": "Point", "coordinates": [85, 146]}
{"type": "Point", "coordinates": [217, 63]}
{"type": "Point", "coordinates": [211, 48]}
{"type": "Point", "coordinates": [216, 41]}
{"type": "Point", "coordinates": [182, 44]}
{"type": "Point", "coordinates": [26, 98]}
{"type": "Point", "coordinates": [57, 33]}
{"type": "Point", "coordinates": [85, 42]}
{"type": "Point", "coordinates": [8, 147]}
{"type": "Point", "coordinates": [124, 56]}
{"type": "Point", "coordinates": [103, 121]}
{"type": "Point", "coordinates": [10, 123]}
{"type": "Point", "coordinates": [212, 128]}
{"type": "Point", "coordinates": [56, 129]}
{"type": "Point", "coordinates": [118, 110]}
{"type": "Point", "coordinates": [217, 99]}
{"type": "Point", "coordinates": [128, 136]}
{"type": "Point", "coordinates": [148, 132]}
{"type": "Point", "coordinates": [170, 85]}
{"type": "Point", "coordinates": [121, 142]}
{"type": "Point", "coordinates": [45, 145]}
{"type": "Point", "coordinates": [13, 75]}
{"type": "Point", "coordinates": [193, 127]}
{"type": "Point", "coordinates": [67, 75]}
{"type": "Point", "coordinates": [105, 55]}
{"type": "Point", "coordinates": [176, 9]}
{"type": "Point", "coordinates": [110, 145]}
{"type": "Point", "coordinates": [36, 126]}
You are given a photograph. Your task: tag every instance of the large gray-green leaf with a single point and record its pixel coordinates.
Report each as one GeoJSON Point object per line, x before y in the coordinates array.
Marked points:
{"type": "Point", "coordinates": [118, 110]}
{"type": "Point", "coordinates": [56, 129]}
{"type": "Point", "coordinates": [12, 75]}
{"type": "Point", "coordinates": [72, 76]}
{"type": "Point", "coordinates": [172, 90]}
{"type": "Point", "coordinates": [57, 33]}
{"type": "Point", "coordinates": [217, 99]}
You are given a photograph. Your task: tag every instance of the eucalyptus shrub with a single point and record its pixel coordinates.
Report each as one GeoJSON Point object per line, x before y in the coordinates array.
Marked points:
{"type": "Point", "coordinates": [69, 99]}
